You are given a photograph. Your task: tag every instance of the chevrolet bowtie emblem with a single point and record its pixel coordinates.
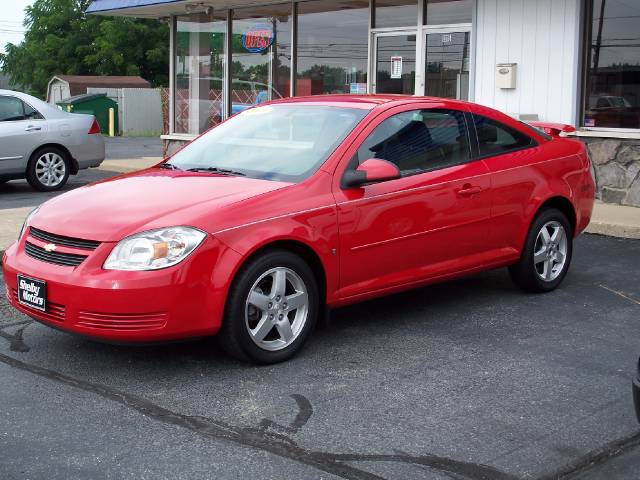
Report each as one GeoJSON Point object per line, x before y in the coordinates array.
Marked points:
{"type": "Point", "coordinates": [50, 247]}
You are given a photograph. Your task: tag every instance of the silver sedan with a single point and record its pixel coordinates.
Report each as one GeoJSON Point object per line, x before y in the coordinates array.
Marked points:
{"type": "Point", "coordinates": [43, 144]}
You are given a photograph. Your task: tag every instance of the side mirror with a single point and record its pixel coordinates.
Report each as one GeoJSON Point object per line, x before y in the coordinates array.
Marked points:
{"type": "Point", "coordinates": [370, 171]}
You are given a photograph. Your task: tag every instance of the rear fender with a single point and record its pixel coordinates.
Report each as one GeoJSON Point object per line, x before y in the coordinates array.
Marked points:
{"type": "Point", "coordinates": [557, 189]}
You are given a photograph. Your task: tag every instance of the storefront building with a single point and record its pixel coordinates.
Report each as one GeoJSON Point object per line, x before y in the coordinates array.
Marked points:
{"type": "Point", "coordinates": [568, 61]}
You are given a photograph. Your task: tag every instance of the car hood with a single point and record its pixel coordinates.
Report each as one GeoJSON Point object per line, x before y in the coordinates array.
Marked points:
{"type": "Point", "coordinates": [113, 209]}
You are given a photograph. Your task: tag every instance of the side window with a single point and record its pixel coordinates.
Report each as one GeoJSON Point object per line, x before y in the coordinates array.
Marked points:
{"type": "Point", "coordinates": [495, 138]}
{"type": "Point", "coordinates": [31, 113]}
{"type": "Point", "coordinates": [419, 140]}
{"type": "Point", "coordinates": [11, 109]}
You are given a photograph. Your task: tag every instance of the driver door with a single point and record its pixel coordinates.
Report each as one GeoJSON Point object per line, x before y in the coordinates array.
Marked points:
{"type": "Point", "coordinates": [432, 221]}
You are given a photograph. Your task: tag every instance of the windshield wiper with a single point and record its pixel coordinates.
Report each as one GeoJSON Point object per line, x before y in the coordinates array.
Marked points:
{"type": "Point", "coordinates": [168, 166]}
{"type": "Point", "coordinates": [221, 171]}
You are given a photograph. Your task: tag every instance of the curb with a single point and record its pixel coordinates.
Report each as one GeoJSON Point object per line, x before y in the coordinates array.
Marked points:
{"type": "Point", "coordinates": [126, 166]}
{"type": "Point", "coordinates": [614, 230]}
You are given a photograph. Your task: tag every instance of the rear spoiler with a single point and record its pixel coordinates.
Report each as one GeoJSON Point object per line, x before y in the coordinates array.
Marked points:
{"type": "Point", "coordinates": [553, 129]}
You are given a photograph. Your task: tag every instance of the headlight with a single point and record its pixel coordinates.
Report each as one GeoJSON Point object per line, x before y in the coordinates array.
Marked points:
{"type": "Point", "coordinates": [27, 221]}
{"type": "Point", "coordinates": [154, 249]}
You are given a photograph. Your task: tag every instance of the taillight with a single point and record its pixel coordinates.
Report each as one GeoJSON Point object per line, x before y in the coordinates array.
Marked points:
{"type": "Point", "coordinates": [95, 127]}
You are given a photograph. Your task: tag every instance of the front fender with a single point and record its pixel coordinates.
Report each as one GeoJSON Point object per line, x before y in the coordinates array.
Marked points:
{"type": "Point", "coordinates": [315, 230]}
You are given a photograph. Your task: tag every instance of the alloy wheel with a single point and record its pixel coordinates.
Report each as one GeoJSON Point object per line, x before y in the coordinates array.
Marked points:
{"type": "Point", "coordinates": [550, 251]}
{"type": "Point", "coordinates": [50, 169]}
{"type": "Point", "coordinates": [276, 309]}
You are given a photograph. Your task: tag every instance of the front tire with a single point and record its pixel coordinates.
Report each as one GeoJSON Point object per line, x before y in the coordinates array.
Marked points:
{"type": "Point", "coordinates": [271, 309]}
{"type": "Point", "coordinates": [547, 253]}
{"type": "Point", "coordinates": [48, 169]}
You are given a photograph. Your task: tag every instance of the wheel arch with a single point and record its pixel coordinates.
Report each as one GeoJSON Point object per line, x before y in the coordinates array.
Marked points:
{"type": "Point", "coordinates": [563, 204]}
{"type": "Point", "coordinates": [303, 250]}
{"type": "Point", "coordinates": [296, 246]}
{"type": "Point", "coordinates": [73, 164]}
{"type": "Point", "coordinates": [558, 201]}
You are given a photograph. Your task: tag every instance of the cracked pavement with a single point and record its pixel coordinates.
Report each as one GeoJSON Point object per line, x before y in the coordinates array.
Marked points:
{"type": "Point", "coordinates": [470, 379]}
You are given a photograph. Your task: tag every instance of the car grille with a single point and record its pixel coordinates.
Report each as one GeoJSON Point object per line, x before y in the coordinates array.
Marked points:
{"type": "Point", "coordinates": [122, 321]}
{"type": "Point", "coordinates": [65, 259]}
{"type": "Point", "coordinates": [62, 240]}
{"type": "Point", "coordinates": [55, 312]}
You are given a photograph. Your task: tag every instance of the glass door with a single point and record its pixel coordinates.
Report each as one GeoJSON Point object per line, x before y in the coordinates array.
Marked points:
{"type": "Point", "coordinates": [394, 63]}
{"type": "Point", "coordinates": [447, 63]}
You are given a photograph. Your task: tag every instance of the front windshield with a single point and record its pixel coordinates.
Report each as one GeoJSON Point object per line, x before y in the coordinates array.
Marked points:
{"type": "Point", "coordinates": [286, 142]}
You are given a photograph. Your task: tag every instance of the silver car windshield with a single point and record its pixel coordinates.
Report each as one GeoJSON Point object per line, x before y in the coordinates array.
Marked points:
{"type": "Point", "coordinates": [273, 142]}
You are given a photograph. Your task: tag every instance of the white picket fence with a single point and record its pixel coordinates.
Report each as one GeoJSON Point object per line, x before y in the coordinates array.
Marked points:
{"type": "Point", "coordinates": [139, 109]}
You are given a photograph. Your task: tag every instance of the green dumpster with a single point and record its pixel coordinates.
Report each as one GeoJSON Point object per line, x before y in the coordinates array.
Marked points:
{"type": "Point", "coordinates": [96, 104]}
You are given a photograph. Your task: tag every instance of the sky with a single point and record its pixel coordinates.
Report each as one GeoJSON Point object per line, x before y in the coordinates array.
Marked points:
{"type": "Point", "coordinates": [11, 17]}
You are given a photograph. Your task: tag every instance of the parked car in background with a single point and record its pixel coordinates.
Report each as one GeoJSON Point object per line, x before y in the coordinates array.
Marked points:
{"type": "Point", "coordinates": [299, 205]}
{"type": "Point", "coordinates": [605, 110]}
{"type": "Point", "coordinates": [44, 144]}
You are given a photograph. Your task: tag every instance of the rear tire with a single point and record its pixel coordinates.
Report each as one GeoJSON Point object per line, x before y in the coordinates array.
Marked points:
{"type": "Point", "coordinates": [547, 253]}
{"type": "Point", "coordinates": [48, 169]}
{"type": "Point", "coordinates": [272, 308]}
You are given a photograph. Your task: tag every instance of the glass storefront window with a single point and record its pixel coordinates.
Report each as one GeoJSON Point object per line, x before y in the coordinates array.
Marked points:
{"type": "Point", "coordinates": [612, 98]}
{"type": "Point", "coordinates": [395, 64]}
{"type": "Point", "coordinates": [446, 12]}
{"type": "Point", "coordinates": [332, 47]}
{"type": "Point", "coordinates": [447, 65]}
{"type": "Point", "coordinates": [199, 70]}
{"type": "Point", "coordinates": [395, 13]}
{"type": "Point", "coordinates": [261, 55]}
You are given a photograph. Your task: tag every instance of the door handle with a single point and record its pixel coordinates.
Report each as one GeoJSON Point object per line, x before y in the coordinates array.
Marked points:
{"type": "Point", "coordinates": [31, 128]}
{"type": "Point", "coordinates": [468, 190]}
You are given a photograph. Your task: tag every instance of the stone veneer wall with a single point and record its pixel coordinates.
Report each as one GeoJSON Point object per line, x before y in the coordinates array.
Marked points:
{"type": "Point", "coordinates": [617, 169]}
{"type": "Point", "coordinates": [616, 164]}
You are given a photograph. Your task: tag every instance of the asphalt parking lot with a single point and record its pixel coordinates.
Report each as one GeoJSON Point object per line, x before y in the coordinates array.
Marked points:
{"type": "Point", "coordinates": [470, 379]}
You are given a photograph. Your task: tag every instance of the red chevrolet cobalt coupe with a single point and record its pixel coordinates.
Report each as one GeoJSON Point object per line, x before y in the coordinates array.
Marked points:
{"type": "Point", "coordinates": [292, 207]}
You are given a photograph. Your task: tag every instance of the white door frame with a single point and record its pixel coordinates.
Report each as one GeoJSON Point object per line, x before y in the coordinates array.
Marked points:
{"type": "Point", "coordinates": [387, 32]}
{"type": "Point", "coordinates": [421, 33]}
{"type": "Point", "coordinates": [421, 55]}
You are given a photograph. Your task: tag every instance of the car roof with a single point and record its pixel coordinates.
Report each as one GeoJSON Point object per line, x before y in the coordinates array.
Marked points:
{"type": "Point", "coordinates": [47, 110]}
{"type": "Point", "coordinates": [368, 102]}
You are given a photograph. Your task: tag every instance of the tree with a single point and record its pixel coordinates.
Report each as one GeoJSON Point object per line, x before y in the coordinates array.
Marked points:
{"type": "Point", "coordinates": [62, 39]}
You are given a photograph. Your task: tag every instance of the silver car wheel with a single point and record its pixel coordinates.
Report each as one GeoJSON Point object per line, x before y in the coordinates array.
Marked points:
{"type": "Point", "coordinates": [550, 251]}
{"type": "Point", "coordinates": [50, 169]}
{"type": "Point", "coordinates": [276, 309]}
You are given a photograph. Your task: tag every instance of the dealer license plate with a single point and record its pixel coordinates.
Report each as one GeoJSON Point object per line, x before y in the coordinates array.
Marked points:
{"type": "Point", "coordinates": [32, 293]}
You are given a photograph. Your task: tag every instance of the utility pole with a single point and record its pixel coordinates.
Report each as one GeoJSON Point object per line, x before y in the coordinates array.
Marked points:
{"type": "Point", "coordinates": [596, 54]}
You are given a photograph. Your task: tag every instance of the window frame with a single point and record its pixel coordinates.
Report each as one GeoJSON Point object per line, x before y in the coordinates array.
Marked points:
{"type": "Point", "coordinates": [533, 144]}
{"type": "Point", "coordinates": [472, 157]}
{"type": "Point", "coordinates": [40, 116]}
{"type": "Point", "coordinates": [22, 103]}
{"type": "Point", "coordinates": [586, 34]}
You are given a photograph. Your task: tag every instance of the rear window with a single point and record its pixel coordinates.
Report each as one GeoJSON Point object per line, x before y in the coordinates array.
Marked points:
{"type": "Point", "coordinates": [495, 138]}
{"type": "Point", "coordinates": [539, 131]}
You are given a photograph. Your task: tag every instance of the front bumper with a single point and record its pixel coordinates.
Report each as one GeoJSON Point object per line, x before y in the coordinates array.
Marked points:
{"type": "Point", "coordinates": [183, 301]}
